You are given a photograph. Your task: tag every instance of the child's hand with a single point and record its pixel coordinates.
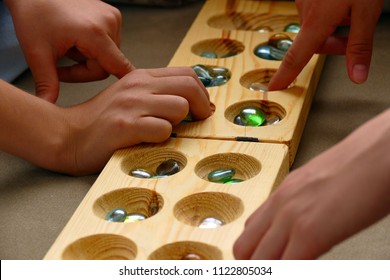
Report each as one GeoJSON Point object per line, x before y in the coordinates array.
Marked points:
{"type": "Point", "coordinates": [141, 107]}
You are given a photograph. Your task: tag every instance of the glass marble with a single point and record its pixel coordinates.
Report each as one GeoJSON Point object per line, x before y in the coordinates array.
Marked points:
{"type": "Point", "coordinates": [209, 54]}
{"type": "Point", "coordinates": [132, 218]}
{"type": "Point", "coordinates": [264, 29]}
{"type": "Point", "coordinates": [168, 167]}
{"type": "Point", "coordinates": [277, 54]}
{"type": "Point", "coordinates": [257, 86]}
{"type": "Point", "coordinates": [141, 173]}
{"type": "Point", "coordinates": [272, 120]}
{"type": "Point", "coordinates": [116, 215]}
{"type": "Point", "coordinates": [210, 222]}
{"type": "Point", "coordinates": [205, 81]}
{"type": "Point", "coordinates": [264, 51]}
{"type": "Point", "coordinates": [273, 40]}
{"type": "Point", "coordinates": [192, 257]}
{"type": "Point", "coordinates": [237, 120]}
{"type": "Point", "coordinates": [284, 44]}
{"type": "Point", "coordinates": [212, 76]}
{"type": "Point", "coordinates": [221, 175]}
{"type": "Point", "coordinates": [234, 181]}
{"type": "Point", "coordinates": [252, 116]}
{"type": "Point", "coordinates": [292, 27]}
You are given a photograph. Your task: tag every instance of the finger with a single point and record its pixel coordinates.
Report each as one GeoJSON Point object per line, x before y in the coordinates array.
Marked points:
{"type": "Point", "coordinates": [179, 71]}
{"type": "Point", "coordinates": [188, 88]}
{"type": "Point", "coordinates": [273, 243]}
{"type": "Point", "coordinates": [334, 45]}
{"type": "Point", "coordinates": [104, 50]}
{"type": "Point", "coordinates": [360, 45]}
{"type": "Point", "coordinates": [255, 227]}
{"type": "Point", "coordinates": [150, 130]}
{"type": "Point", "coordinates": [44, 71]}
{"type": "Point", "coordinates": [309, 39]}
{"type": "Point", "coordinates": [171, 108]}
{"type": "Point", "coordinates": [87, 71]}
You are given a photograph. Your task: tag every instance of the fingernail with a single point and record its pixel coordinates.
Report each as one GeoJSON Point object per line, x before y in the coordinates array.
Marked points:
{"type": "Point", "coordinates": [359, 73]}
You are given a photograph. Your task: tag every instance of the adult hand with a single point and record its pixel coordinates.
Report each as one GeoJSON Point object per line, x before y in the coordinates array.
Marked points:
{"type": "Point", "coordinates": [87, 31]}
{"type": "Point", "coordinates": [338, 193]}
{"type": "Point", "coordinates": [319, 20]}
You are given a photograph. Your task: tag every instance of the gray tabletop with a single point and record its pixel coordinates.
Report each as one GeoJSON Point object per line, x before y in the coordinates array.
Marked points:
{"type": "Point", "coordinates": [35, 204]}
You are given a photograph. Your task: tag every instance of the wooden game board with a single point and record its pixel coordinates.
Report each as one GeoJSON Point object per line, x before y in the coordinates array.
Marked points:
{"type": "Point", "coordinates": [175, 205]}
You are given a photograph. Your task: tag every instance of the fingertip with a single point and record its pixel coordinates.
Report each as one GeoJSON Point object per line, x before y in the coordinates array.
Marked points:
{"type": "Point", "coordinates": [359, 73]}
{"type": "Point", "coordinates": [47, 92]}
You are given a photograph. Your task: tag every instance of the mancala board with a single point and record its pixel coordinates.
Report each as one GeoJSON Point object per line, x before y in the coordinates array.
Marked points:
{"type": "Point", "coordinates": [187, 214]}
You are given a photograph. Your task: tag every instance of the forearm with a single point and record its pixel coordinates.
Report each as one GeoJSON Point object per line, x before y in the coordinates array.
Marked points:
{"type": "Point", "coordinates": [32, 129]}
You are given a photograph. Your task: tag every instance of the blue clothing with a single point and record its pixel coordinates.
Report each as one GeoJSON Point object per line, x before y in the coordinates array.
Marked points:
{"type": "Point", "coordinates": [12, 61]}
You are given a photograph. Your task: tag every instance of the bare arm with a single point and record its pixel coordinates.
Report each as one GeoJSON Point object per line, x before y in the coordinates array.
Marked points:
{"type": "Point", "coordinates": [143, 106]}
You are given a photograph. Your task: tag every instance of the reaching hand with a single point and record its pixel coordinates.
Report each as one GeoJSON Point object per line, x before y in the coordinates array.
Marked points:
{"type": "Point", "coordinates": [338, 193]}
{"type": "Point", "coordinates": [87, 31]}
{"type": "Point", "coordinates": [319, 20]}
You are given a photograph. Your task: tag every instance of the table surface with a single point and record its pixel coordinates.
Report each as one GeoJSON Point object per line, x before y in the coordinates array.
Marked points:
{"type": "Point", "coordinates": [35, 204]}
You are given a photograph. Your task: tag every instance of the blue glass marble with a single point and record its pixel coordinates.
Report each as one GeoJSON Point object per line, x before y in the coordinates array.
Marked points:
{"type": "Point", "coordinates": [116, 215]}
{"type": "Point", "coordinates": [264, 51]}
{"type": "Point", "coordinates": [221, 175]}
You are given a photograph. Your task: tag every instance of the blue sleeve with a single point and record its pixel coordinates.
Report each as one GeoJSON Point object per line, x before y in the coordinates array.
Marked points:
{"type": "Point", "coordinates": [12, 61]}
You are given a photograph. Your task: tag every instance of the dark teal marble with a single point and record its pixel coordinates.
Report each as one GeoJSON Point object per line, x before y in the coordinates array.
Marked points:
{"type": "Point", "coordinates": [168, 167]}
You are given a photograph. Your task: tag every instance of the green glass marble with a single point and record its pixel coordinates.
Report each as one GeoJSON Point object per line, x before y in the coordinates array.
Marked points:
{"type": "Point", "coordinates": [292, 27]}
{"type": "Point", "coordinates": [209, 54]}
{"type": "Point", "coordinates": [210, 222]}
{"type": "Point", "coordinates": [168, 167]}
{"type": "Point", "coordinates": [252, 116]}
{"type": "Point", "coordinates": [141, 173]}
{"type": "Point", "coordinates": [135, 217]}
{"type": "Point", "coordinates": [234, 181]}
{"type": "Point", "coordinates": [116, 215]}
{"type": "Point", "coordinates": [221, 175]}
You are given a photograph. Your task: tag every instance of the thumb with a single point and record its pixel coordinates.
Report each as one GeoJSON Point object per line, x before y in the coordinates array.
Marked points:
{"type": "Point", "coordinates": [44, 71]}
